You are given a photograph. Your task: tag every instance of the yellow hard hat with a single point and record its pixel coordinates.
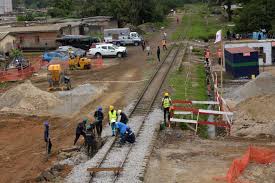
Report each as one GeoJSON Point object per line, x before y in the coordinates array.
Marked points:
{"type": "Point", "coordinates": [111, 107]}
{"type": "Point", "coordinates": [166, 94]}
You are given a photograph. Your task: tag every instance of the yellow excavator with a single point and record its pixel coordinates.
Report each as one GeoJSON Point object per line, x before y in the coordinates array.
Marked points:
{"type": "Point", "coordinates": [57, 78]}
{"type": "Point", "coordinates": [81, 63]}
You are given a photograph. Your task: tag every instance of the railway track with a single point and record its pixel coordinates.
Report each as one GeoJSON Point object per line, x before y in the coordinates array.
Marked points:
{"type": "Point", "coordinates": [117, 156]}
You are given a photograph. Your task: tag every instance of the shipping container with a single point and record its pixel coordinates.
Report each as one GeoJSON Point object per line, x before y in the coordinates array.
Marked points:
{"type": "Point", "coordinates": [241, 62]}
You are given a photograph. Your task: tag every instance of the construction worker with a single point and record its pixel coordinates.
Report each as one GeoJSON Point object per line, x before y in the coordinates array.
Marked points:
{"type": "Point", "coordinates": [123, 117]}
{"type": "Point", "coordinates": [90, 140]}
{"type": "Point", "coordinates": [158, 53]}
{"type": "Point", "coordinates": [207, 56]}
{"type": "Point", "coordinates": [99, 116]}
{"type": "Point", "coordinates": [164, 47]}
{"type": "Point", "coordinates": [166, 104]}
{"type": "Point", "coordinates": [126, 134]}
{"type": "Point", "coordinates": [112, 119]}
{"type": "Point", "coordinates": [47, 138]}
{"type": "Point", "coordinates": [81, 130]}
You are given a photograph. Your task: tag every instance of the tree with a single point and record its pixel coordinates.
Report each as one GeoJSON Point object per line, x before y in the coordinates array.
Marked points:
{"type": "Point", "coordinates": [255, 15]}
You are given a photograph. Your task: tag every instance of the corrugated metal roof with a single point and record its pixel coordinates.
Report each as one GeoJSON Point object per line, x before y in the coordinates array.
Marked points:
{"type": "Point", "coordinates": [240, 50]}
{"type": "Point", "coordinates": [38, 28]}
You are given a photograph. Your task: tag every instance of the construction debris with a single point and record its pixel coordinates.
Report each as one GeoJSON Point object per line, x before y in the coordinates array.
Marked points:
{"type": "Point", "coordinates": [27, 98]}
{"type": "Point", "coordinates": [255, 117]}
{"type": "Point", "coordinates": [262, 85]}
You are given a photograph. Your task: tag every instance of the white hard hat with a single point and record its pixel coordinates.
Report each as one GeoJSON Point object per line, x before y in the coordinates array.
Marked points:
{"type": "Point", "coordinates": [119, 111]}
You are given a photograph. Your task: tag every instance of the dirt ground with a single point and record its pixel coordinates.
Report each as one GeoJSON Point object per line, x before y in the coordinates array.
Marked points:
{"type": "Point", "coordinates": [22, 147]}
{"type": "Point", "coordinates": [181, 157]}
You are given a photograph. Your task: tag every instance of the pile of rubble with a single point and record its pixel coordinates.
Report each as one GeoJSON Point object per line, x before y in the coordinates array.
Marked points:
{"type": "Point", "coordinates": [253, 107]}
{"type": "Point", "coordinates": [27, 98]}
{"type": "Point", "coordinates": [264, 84]}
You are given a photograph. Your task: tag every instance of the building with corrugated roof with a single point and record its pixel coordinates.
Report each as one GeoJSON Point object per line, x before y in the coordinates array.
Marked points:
{"type": "Point", "coordinates": [266, 49]}
{"type": "Point", "coordinates": [7, 42]}
{"type": "Point", "coordinates": [5, 6]}
{"type": "Point", "coordinates": [41, 37]}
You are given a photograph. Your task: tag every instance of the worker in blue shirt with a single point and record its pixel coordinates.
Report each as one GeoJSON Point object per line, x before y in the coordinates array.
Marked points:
{"type": "Point", "coordinates": [126, 134]}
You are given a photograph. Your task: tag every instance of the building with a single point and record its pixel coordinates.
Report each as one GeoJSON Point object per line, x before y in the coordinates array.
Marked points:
{"type": "Point", "coordinates": [7, 42]}
{"type": "Point", "coordinates": [266, 49]}
{"type": "Point", "coordinates": [37, 35]}
{"type": "Point", "coordinates": [241, 62]}
{"type": "Point", "coordinates": [41, 37]}
{"type": "Point", "coordinates": [5, 6]}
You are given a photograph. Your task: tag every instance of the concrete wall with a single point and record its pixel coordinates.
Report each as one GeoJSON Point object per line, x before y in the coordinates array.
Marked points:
{"type": "Point", "coordinates": [5, 6]}
{"type": "Point", "coordinates": [7, 44]}
{"type": "Point", "coordinates": [267, 49]}
{"type": "Point", "coordinates": [37, 41]}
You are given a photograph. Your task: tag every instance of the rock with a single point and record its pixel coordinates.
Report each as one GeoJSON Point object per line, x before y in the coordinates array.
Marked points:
{"type": "Point", "coordinates": [47, 175]}
{"type": "Point", "coordinates": [54, 173]}
{"type": "Point", "coordinates": [64, 155]}
{"type": "Point", "coordinates": [58, 167]}
{"type": "Point", "coordinates": [40, 178]}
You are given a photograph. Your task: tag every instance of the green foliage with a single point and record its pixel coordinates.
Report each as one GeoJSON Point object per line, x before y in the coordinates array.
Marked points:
{"type": "Point", "coordinates": [191, 89]}
{"type": "Point", "coordinates": [125, 11]}
{"type": "Point", "coordinates": [198, 24]}
{"type": "Point", "coordinates": [16, 53]}
{"type": "Point", "coordinates": [29, 16]}
{"type": "Point", "coordinates": [255, 15]}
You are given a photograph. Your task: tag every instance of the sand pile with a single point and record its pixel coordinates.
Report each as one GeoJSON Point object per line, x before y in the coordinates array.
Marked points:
{"type": "Point", "coordinates": [258, 173]}
{"type": "Point", "coordinates": [27, 98]}
{"type": "Point", "coordinates": [263, 84]}
{"type": "Point", "coordinates": [255, 117]}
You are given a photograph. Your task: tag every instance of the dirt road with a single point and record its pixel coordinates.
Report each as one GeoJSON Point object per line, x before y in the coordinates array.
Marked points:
{"type": "Point", "coordinates": [21, 137]}
{"type": "Point", "coordinates": [181, 157]}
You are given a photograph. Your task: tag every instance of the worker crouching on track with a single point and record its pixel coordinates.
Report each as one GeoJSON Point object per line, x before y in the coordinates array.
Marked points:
{"type": "Point", "coordinates": [81, 130]}
{"type": "Point", "coordinates": [126, 134]}
{"type": "Point", "coordinates": [166, 104]}
{"type": "Point", "coordinates": [99, 116]}
{"type": "Point", "coordinates": [112, 119]}
{"type": "Point", "coordinates": [123, 117]}
{"type": "Point", "coordinates": [90, 140]}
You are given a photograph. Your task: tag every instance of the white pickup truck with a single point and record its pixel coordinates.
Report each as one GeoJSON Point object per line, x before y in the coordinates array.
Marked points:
{"type": "Point", "coordinates": [107, 50]}
{"type": "Point", "coordinates": [122, 36]}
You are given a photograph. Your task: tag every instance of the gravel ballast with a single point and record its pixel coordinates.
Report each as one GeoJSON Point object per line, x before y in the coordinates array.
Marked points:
{"type": "Point", "coordinates": [134, 166]}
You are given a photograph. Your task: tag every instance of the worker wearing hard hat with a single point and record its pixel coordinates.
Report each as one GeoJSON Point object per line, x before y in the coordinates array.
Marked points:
{"type": "Point", "coordinates": [123, 117]}
{"type": "Point", "coordinates": [112, 119]}
{"type": "Point", "coordinates": [166, 104]}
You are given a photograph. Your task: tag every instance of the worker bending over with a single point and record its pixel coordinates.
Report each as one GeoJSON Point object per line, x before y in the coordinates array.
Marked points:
{"type": "Point", "coordinates": [90, 140]}
{"type": "Point", "coordinates": [80, 130]}
{"type": "Point", "coordinates": [166, 104]}
{"type": "Point", "coordinates": [123, 117]}
{"type": "Point", "coordinates": [126, 134]}
{"type": "Point", "coordinates": [99, 116]}
{"type": "Point", "coordinates": [112, 119]}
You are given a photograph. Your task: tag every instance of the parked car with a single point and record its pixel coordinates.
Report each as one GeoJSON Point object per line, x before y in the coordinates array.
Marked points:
{"type": "Point", "coordinates": [107, 50]}
{"type": "Point", "coordinates": [48, 56]}
{"type": "Point", "coordinates": [75, 51]}
{"type": "Point", "coordinates": [122, 36]}
{"type": "Point", "coordinates": [78, 41]}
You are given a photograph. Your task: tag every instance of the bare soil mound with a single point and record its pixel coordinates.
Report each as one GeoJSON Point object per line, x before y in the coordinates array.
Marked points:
{"type": "Point", "coordinates": [258, 173]}
{"type": "Point", "coordinates": [262, 85]}
{"type": "Point", "coordinates": [255, 117]}
{"type": "Point", "coordinates": [27, 98]}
